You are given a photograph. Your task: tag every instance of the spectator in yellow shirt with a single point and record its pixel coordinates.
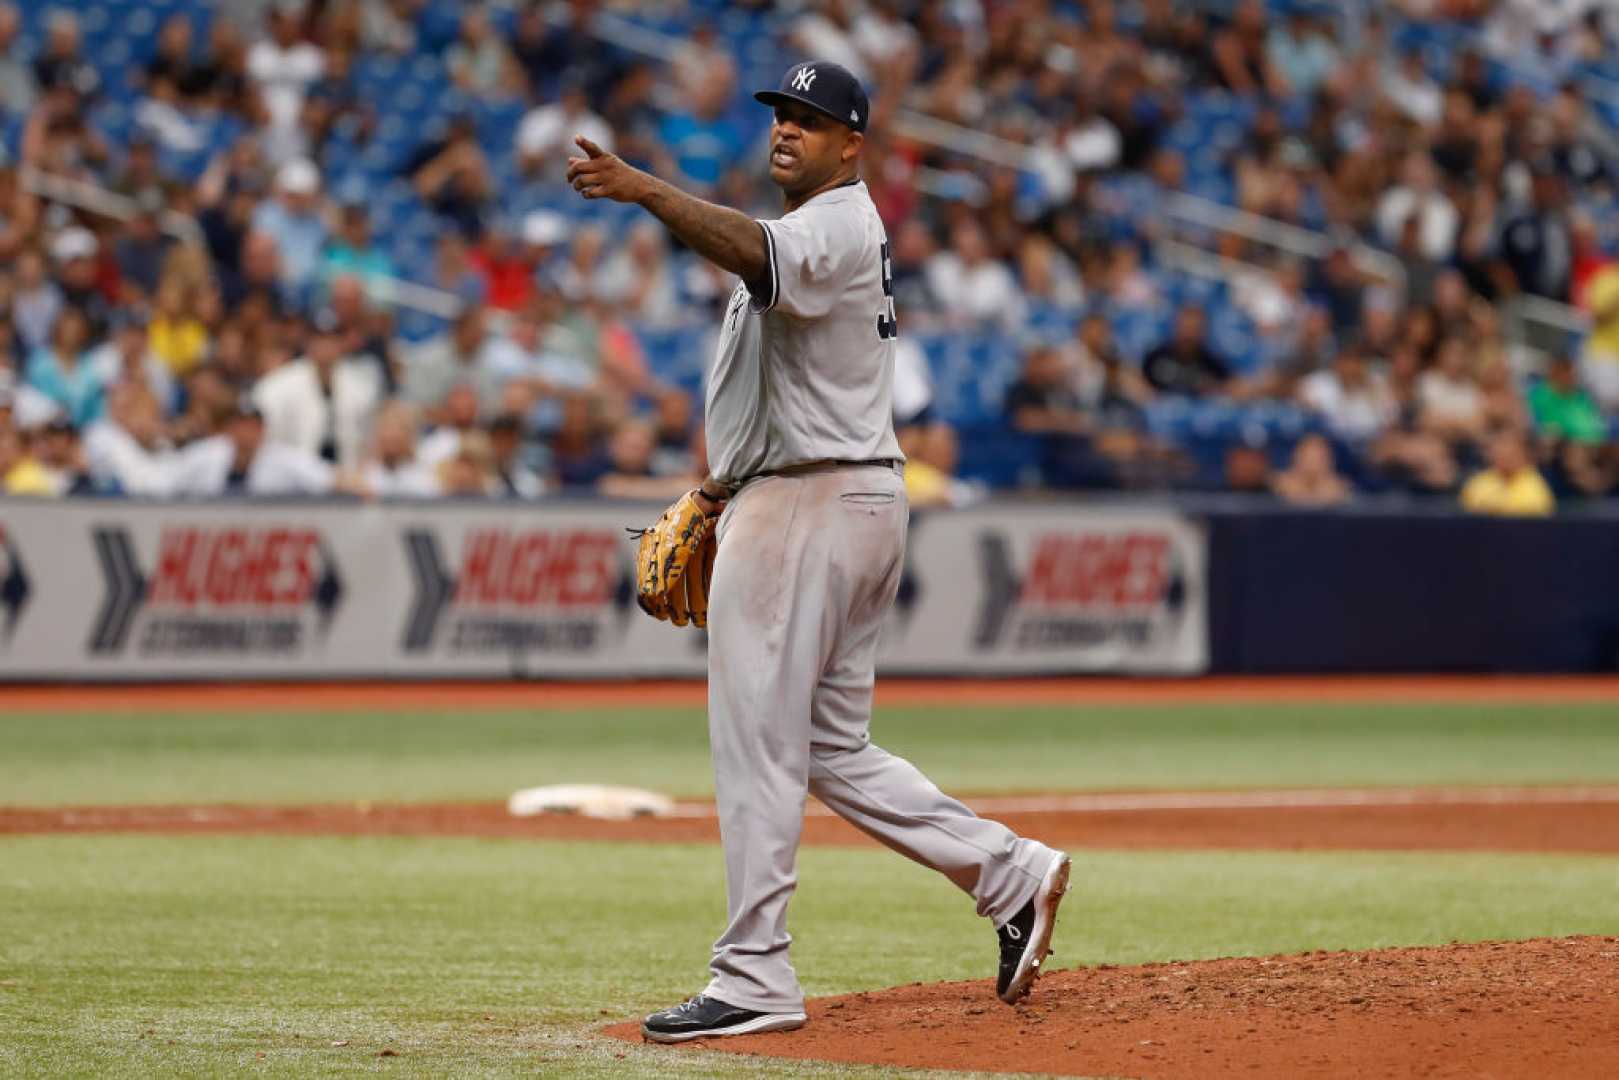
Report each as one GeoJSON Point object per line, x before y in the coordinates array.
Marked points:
{"type": "Point", "coordinates": [931, 456]}
{"type": "Point", "coordinates": [21, 472]}
{"type": "Point", "coordinates": [1511, 485]}
{"type": "Point", "coordinates": [1599, 363]}
{"type": "Point", "coordinates": [177, 337]}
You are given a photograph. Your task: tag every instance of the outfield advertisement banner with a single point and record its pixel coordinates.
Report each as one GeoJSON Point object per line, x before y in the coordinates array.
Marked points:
{"type": "Point", "coordinates": [1050, 590]}
{"type": "Point", "coordinates": [115, 590]}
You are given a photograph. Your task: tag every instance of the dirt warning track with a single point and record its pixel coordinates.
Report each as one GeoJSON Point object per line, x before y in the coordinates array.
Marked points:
{"type": "Point", "coordinates": [1583, 819]}
{"type": "Point", "coordinates": [452, 696]}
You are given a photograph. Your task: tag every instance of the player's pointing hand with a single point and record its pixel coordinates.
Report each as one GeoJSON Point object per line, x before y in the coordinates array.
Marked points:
{"type": "Point", "coordinates": [600, 175]}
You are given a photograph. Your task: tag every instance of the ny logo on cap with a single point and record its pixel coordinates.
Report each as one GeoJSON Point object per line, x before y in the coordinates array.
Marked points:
{"type": "Point", "coordinates": [802, 80]}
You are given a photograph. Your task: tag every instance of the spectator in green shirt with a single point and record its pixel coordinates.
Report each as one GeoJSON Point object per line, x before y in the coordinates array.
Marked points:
{"type": "Point", "coordinates": [1563, 410]}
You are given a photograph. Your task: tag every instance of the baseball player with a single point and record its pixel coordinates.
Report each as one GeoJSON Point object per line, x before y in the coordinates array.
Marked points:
{"type": "Point", "coordinates": [806, 490]}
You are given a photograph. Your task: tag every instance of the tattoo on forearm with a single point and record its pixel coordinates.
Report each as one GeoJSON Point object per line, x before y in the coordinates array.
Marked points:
{"type": "Point", "coordinates": [728, 238]}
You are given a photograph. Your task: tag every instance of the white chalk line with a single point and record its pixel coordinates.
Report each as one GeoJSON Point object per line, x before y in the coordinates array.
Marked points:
{"type": "Point", "coordinates": [1297, 799]}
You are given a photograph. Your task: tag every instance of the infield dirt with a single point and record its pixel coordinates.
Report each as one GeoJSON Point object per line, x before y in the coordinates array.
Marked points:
{"type": "Point", "coordinates": [1404, 819]}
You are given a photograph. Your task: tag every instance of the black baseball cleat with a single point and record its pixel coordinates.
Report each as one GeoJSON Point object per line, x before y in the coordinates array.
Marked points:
{"type": "Point", "coordinates": [1026, 937]}
{"type": "Point", "coordinates": [703, 1017]}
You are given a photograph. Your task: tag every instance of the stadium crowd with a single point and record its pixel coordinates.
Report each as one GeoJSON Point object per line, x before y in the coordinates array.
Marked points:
{"type": "Point", "coordinates": [339, 257]}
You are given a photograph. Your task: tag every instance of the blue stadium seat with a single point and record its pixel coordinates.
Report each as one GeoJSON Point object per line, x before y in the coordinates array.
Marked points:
{"type": "Point", "coordinates": [995, 455]}
{"type": "Point", "coordinates": [438, 24]}
{"type": "Point", "coordinates": [1232, 335]}
{"type": "Point", "coordinates": [93, 19]}
{"type": "Point", "coordinates": [677, 356]}
{"type": "Point", "coordinates": [1136, 332]}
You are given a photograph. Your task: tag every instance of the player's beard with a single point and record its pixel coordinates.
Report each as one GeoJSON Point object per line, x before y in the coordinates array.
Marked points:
{"type": "Point", "coordinates": [786, 168]}
{"type": "Point", "coordinates": [799, 178]}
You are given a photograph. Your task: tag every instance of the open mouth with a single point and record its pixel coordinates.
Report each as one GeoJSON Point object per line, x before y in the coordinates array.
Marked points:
{"type": "Point", "coordinates": [783, 157]}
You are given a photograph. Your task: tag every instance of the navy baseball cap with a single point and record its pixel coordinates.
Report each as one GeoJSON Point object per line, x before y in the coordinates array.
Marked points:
{"type": "Point", "coordinates": [826, 87]}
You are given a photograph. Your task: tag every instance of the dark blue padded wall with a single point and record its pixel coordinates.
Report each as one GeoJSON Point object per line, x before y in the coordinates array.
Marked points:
{"type": "Point", "coordinates": [1403, 592]}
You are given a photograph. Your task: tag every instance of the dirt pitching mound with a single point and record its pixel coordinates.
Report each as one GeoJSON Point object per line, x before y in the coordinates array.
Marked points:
{"type": "Point", "coordinates": [1545, 1009]}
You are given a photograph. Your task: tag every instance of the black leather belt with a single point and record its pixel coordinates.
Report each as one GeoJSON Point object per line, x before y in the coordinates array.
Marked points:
{"type": "Point", "coordinates": [809, 468]}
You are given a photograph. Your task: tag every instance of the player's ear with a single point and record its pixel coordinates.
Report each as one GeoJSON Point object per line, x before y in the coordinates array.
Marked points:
{"type": "Point", "coordinates": [852, 142]}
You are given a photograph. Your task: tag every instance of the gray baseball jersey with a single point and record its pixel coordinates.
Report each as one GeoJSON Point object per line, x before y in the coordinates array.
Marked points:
{"type": "Point", "coordinates": [805, 369]}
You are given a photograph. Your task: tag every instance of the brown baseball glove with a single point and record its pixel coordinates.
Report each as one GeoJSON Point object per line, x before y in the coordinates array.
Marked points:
{"type": "Point", "coordinates": [674, 563]}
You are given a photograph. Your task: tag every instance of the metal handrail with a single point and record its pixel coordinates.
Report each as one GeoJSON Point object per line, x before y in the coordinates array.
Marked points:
{"type": "Point", "coordinates": [1282, 235]}
{"type": "Point", "coordinates": [84, 195]}
{"type": "Point", "coordinates": [922, 128]}
{"type": "Point", "coordinates": [99, 200]}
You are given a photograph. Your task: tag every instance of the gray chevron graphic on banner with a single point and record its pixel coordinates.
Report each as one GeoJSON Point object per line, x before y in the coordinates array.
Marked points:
{"type": "Point", "coordinates": [125, 589]}
{"type": "Point", "coordinates": [1001, 589]}
{"type": "Point", "coordinates": [14, 589]}
{"type": "Point", "coordinates": [434, 588]}
{"type": "Point", "coordinates": [328, 590]}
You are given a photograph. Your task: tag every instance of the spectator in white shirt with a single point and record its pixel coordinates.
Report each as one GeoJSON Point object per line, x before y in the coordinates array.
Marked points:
{"type": "Point", "coordinates": [703, 57]}
{"type": "Point", "coordinates": [162, 116]}
{"type": "Point", "coordinates": [1354, 400]}
{"type": "Point", "coordinates": [638, 280]}
{"type": "Point", "coordinates": [1410, 89]}
{"type": "Point", "coordinates": [513, 478]}
{"type": "Point", "coordinates": [283, 66]}
{"type": "Point", "coordinates": [393, 469]}
{"type": "Point", "coordinates": [126, 450]}
{"type": "Point", "coordinates": [242, 462]}
{"type": "Point", "coordinates": [1092, 143]}
{"type": "Point", "coordinates": [1273, 299]}
{"type": "Point", "coordinates": [827, 30]}
{"type": "Point", "coordinates": [887, 41]}
{"type": "Point", "coordinates": [1452, 404]}
{"type": "Point", "coordinates": [468, 355]}
{"type": "Point", "coordinates": [322, 403]}
{"type": "Point", "coordinates": [974, 289]}
{"type": "Point", "coordinates": [480, 62]}
{"type": "Point", "coordinates": [1418, 193]}
{"type": "Point", "coordinates": [389, 26]}
{"type": "Point", "coordinates": [546, 134]}
{"type": "Point", "coordinates": [460, 418]}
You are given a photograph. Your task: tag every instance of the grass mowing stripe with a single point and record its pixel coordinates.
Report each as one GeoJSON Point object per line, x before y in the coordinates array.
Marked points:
{"type": "Point", "coordinates": [95, 758]}
{"type": "Point", "coordinates": [192, 955]}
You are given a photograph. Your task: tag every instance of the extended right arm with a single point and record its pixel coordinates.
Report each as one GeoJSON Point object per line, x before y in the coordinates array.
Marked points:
{"type": "Point", "coordinates": [728, 238]}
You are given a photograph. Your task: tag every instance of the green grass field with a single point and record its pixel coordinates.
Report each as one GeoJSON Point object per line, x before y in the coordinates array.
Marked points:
{"type": "Point", "coordinates": [194, 956]}
{"type": "Point", "coordinates": [301, 757]}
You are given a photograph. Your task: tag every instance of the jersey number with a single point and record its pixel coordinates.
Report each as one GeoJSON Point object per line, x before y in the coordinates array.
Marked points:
{"type": "Point", "coordinates": [887, 324]}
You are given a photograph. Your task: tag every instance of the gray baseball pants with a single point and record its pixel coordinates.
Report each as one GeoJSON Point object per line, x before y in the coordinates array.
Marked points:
{"type": "Point", "coordinates": [807, 568]}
